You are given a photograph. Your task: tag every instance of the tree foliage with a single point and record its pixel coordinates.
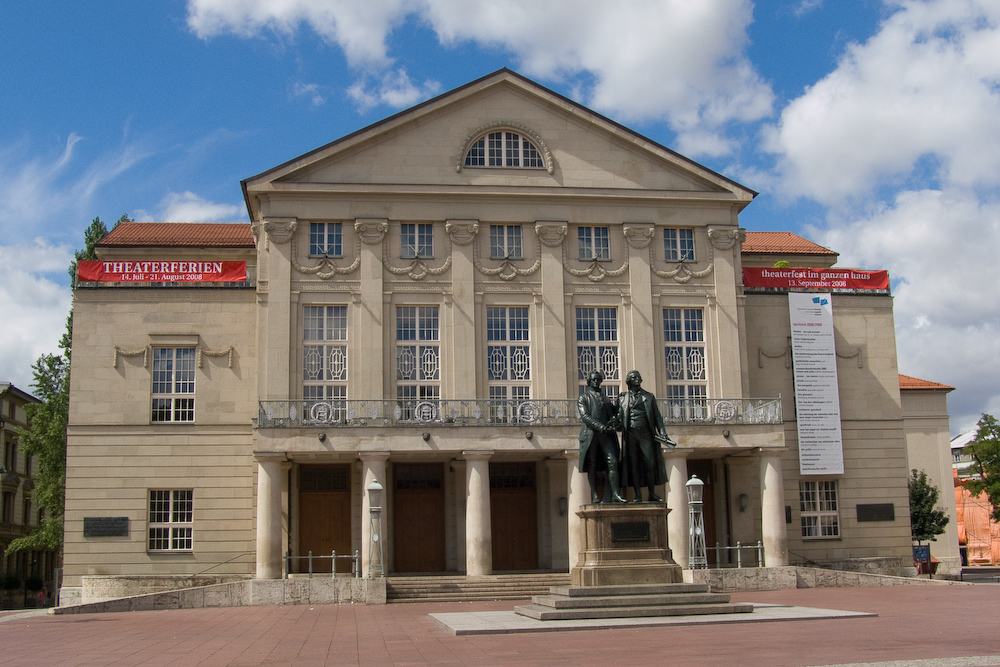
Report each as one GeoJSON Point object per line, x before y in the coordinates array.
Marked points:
{"type": "Point", "coordinates": [45, 435]}
{"type": "Point", "coordinates": [985, 452]}
{"type": "Point", "coordinates": [926, 522]}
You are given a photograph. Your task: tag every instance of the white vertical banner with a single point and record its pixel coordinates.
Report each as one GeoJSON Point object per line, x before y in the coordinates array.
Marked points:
{"type": "Point", "coordinates": [817, 396]}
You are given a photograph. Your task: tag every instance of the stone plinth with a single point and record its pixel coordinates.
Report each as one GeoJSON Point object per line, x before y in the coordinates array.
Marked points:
{"type": "Point", "coordinates": [625, 544]}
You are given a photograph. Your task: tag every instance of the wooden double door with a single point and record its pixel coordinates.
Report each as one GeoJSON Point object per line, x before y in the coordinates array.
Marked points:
{"type": "Point", "coordinates": [418, 517]}
{"type": "Point", "coordinates": [514, 516]}
{"type": "Point", "coordinates": [324, 516]}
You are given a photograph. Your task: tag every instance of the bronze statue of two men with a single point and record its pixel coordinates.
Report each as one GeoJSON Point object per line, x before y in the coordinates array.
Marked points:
{"type": "Point", "coordinates": [639, 462]}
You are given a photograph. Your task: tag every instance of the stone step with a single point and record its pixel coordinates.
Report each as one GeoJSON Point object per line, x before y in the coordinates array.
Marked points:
{"type": "Point", "coordinates": [629, 589]}
{"type": "Point", "coordinates": [459, 588]}
{"type": "Point", "coordinates": [669, 599]}
{"type": "Point", "coordinates": [545, 613]}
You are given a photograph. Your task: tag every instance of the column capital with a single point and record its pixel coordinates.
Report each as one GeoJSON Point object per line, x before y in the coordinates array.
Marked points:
{"type": "Point", "coordinates": [477, 454]}
{"type": "Point", "coordinates": [638, 234]}
{"type": "Point", "coordinates": [373, 457]}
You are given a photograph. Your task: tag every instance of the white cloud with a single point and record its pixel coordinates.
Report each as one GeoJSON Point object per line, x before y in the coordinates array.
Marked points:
{"type": "Point", "coordinates": [641, 59]}
{"type": "Point", "coordinates": [807, 6]}
{"type": "Point", "coordinates": [359, 28]}
{"type": "Point", "coordinates": [34, 303]}
{"type": "Point", "coordinates": [924, 85]}
{"type": "Point", "coordinates": [189, 207]}
{"type": "Point", "coordinates": [394, 89]}
{"type": "Point", "coordinates": [940, 249]}
{"type": "Point", "coordinates": [311, 91]}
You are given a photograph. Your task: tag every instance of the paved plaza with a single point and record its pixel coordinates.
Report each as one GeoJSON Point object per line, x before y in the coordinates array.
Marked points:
{"type": "Point", "coordinates": [925, 626]}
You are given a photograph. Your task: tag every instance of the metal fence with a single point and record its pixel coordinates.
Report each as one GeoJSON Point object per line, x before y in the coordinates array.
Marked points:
{"type": "Point", "coordinates": [756, 555]}
{"type": "Point", "coordinates": [310, 560]}
{"type": "Point", "coordinates": [486, 412]}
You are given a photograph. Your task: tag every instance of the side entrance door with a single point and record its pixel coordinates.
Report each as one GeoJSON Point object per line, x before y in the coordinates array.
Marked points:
{"type": "Point", "coordinates": [324, 516]}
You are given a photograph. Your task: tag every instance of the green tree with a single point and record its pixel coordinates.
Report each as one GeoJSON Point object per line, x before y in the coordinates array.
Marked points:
{"type": "Point", "coordinates": [45, 435]}
{"type": "Point", "coordinates": [926, 522]}
{"type": "Point", "coordinates": [985, 452]}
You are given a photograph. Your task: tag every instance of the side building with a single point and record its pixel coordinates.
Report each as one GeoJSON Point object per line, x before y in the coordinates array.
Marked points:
{"type": "Point", "coordinates": [422, 302]}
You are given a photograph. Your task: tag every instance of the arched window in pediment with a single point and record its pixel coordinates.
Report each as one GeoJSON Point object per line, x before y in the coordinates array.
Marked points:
{"type": "Point", "coordinates": [506, 146]}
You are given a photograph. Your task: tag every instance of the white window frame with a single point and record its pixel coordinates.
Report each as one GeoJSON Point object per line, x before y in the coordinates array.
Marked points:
{"type": "Point", "coordinates": [595, 243]}
{"type": "Point", "coordinates": [173, 385]}
{"type": "Point", "coordinates": [819, 509]}
{"type": "Point", "coordinates": [418, 355]}
{"type": "Point", "coordinates": [678, 245]}
{"type": "Point", "coordinates": [504, 148]}
{"type": "Point", "coordinates": [326, 239]}
{"type": "Point", "coordinates": [597, 347]}
{"type": "Point", "coordinates": [685, 363]}
{"type": "Point", "coordinates": [324, 354]}
{"type": "Point", "coordinates": [170, 526]}
{"type": "Point", "coordinates": [506, 242]}
{"type": "Point", "coordinates": [508, 359]}
{"type": "Point", "coordinates": [416, 240]}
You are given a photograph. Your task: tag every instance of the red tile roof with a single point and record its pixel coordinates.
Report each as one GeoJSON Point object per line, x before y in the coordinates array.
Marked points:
{"type": "Point", "coordinates": [907, 382]}
{"type": "Point", "coordinates": [204, 234]}
{"type": "Point", "coordinates": [782, 242]}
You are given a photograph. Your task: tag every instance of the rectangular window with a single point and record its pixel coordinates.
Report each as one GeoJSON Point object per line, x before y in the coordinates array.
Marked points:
{"type": "Point", "coordinates": [173, 384]}
{"type": "Point", "coordinates": [594, 243]}
{"type": "Point", "coordinates": [505, 242]}
{"type": "Point", "coordinates": [684, 357]}
{"type": "Point", "coordinates": [8, 507]}
{"type": "Point", "coordinates": [508, 360]}
{"type": "Point", "coordinates": [324, 356]}
{"type": "Point", "coordinates": [10, 456]}
{"type": "Point", "coordinates": [326, 239]}
{"type": "Point", "coordinates": [819, 509]}
{"type": "Point", "coordinates": [418, 356]}
{"type": "Point", "coordinates": [26, 512]}
{"type": "Point", "coordinates": [678, 245]}
{"type": "Point", "coordinates": [416, 240]}
{"type": "Point", "coordinates": [597, 347]}
{"type": "Point", "coordinates": [171, 520]}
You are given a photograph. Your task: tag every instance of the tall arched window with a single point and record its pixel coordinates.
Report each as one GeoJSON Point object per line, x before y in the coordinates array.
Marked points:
{"type": "Point", "coordinates": [503, 148]}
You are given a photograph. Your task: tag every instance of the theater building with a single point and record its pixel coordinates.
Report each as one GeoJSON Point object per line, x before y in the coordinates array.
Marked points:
{"type": "Point", "coordinates": [421, 302]}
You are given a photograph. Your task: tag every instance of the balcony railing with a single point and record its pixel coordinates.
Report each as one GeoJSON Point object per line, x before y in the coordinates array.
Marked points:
{"type": "Point", "coordinates": [486, 412]}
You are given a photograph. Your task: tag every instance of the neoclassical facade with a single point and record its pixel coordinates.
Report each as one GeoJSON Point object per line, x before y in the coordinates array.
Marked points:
{"type": "Point", "coordinates": [423, 301]}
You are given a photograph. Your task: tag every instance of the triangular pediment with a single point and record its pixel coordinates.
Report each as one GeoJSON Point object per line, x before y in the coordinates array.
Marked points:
{"type": "Point", "coordinates": [425, 146]}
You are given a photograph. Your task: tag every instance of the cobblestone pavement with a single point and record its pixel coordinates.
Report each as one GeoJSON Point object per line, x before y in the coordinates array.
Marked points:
{"type": "Point", "coordinates": [922, 626]}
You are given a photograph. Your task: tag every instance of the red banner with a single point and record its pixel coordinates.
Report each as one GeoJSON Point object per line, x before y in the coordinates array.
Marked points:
{"type": "Point", "coordinates": [829, 279]}
{"type": "Point", "coordinates": [161, 271]}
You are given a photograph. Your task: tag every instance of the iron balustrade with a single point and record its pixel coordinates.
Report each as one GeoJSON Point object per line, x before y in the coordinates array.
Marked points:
{"type": "Point", "coordinates": [355, 559]}
{"type": "Point", "coordinates": [487, 412]}
{"type": "Point", "coordinates": [758, 550]}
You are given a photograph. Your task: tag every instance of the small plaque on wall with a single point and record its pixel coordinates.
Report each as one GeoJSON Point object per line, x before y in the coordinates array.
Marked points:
{"type": "Point", "coordinates": [105, 526]}
{"type": "Point", "coordinates": [633, 531]}
{"type": "Point", "coordinates": [877, 512]}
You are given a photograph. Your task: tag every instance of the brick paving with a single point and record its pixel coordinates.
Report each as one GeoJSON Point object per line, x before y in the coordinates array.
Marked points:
{"type": "Point", "coordinates": [928, 626]}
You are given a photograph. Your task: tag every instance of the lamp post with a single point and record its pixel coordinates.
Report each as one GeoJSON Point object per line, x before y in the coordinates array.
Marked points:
{"type": "Point", "coordinates": [697, 553]}
{"type": "Point", "coordinates": [375, 529]}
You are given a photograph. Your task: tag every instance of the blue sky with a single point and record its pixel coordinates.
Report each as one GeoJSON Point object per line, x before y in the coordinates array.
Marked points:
{"type": "Point", "coordinates": [871, 127]}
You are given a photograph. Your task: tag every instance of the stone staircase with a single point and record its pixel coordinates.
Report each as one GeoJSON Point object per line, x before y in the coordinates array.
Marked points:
{"type": "Point", "coordinates": [459, 588]}
{"type": "Point", "coordinates": [629, 601]}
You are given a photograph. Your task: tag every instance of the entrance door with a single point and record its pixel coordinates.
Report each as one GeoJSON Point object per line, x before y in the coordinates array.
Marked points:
{"type": "Point", "coordinates": [514, 515]}
{"type": "Point", "coordinates": [703, 469]}
{"type": "Point", "coordinates": [418, 518]}
{"type": "Point", "coordinates": [324, 516]}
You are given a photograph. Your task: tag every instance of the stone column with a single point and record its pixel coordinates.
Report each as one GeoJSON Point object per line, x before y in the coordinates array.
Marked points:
{"type": "Point", "coordinates": [678, 530]}
{"type": "Point", "coordinates": [772, 501]}
{"type": "Point", "coordinates": [557, 519]}
{"type": "Point", "coordinates": [549, 365]}
{"type": "Point", "coordinates": [372, 468]}
{"type": "Point", "coordinates": [478, 522]}
{"type": "Point", "coordinates": [274, 318]}
{"type": "Point", "coordinates": [579, 494]}
{"type": "Point", "coordinates": [368, 312]}
{"type": "Point", "coordinates": [463, 354]}
{"type": "Point", "coordinates": [640, 330]}
{"type": "Point", "coordinates": [269, 514]}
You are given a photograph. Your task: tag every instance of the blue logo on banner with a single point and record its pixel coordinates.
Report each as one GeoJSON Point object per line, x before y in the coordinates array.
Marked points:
{"type": "Point", "coordinates": [819, 301]}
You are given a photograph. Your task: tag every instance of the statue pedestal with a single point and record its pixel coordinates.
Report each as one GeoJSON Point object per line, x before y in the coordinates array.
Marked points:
{"type": "Point", "coordinates": [625, 544]}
